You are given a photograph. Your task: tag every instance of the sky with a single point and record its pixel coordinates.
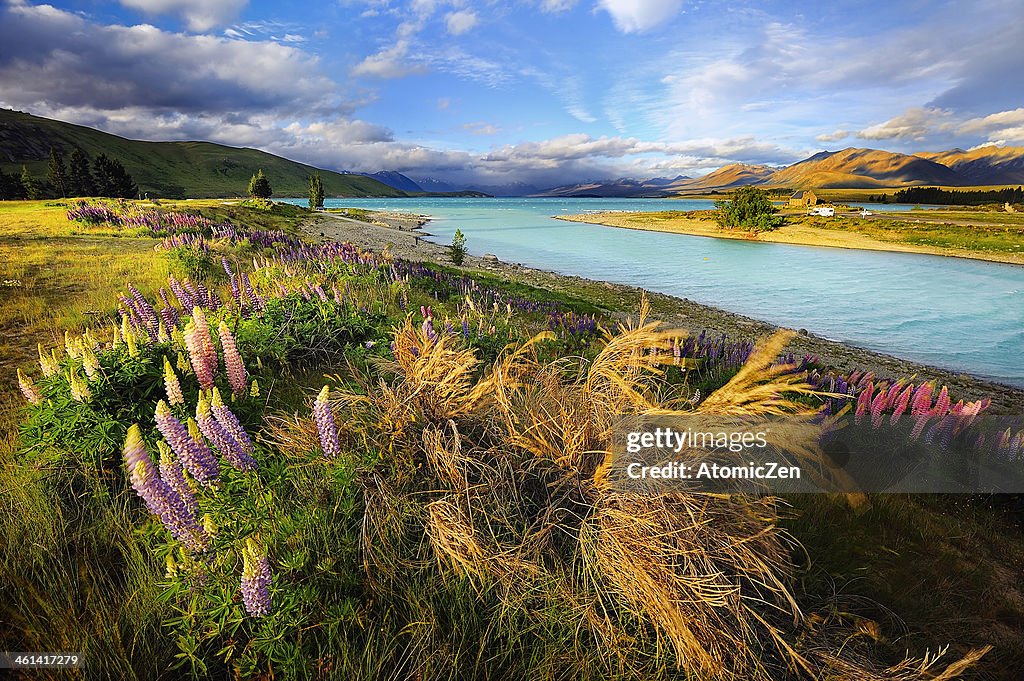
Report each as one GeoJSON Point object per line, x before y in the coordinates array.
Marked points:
{"type": "Point", "coordinates": [543, 92]}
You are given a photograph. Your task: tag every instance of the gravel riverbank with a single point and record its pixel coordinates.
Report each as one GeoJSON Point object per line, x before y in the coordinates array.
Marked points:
{"type": "Point", "coordinates": [401, 234]}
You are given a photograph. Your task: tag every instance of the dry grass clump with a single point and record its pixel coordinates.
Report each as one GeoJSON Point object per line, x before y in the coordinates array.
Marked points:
{"type": "Point", "coordinates": [500, 482]}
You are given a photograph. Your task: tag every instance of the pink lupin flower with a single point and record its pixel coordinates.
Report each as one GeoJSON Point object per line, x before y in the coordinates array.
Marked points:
{"type": "Point", "coordinates": [941, 402]}
{"type": "Point", "coordinates": [863, 403]}
{"type": "Point", "coordinates": [28, 389]}
{"type": "Point", "coordinates": [901, 403]}
{"type": "Point", "coordinates": [209, 352]}
{"type": "Point", "coordinates": [197, 355]}
{"type": "Point", "coordinates": [921, 403]}
{"type": "Point", "coordinates": [233, 361]}
{"type": "Point", "coordinates": [878, 406]}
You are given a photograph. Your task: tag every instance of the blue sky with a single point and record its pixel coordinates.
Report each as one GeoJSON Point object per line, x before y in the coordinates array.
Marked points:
{"type": "Point", "coordinates": [542, 91]}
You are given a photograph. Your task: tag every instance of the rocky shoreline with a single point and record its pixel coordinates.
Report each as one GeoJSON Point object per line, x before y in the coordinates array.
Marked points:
{"type": "Point", "coordinates": [400, 234]}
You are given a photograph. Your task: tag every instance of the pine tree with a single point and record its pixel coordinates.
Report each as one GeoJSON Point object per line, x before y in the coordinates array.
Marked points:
{"type": "Point", "coordinates": [30, 188]}
{"type": "Point", "coordinates": [79, 177]}
{"type": "Point", "coordinates": [10, 187]}
{"type": "Point", "coordinates": [259, 186]}
{"type": "Point", "coordinates": [316, 192]}
{"type": "Point", "coordinates": [112, 179]}
{"type": "Point", "coordinates": [56, 176]}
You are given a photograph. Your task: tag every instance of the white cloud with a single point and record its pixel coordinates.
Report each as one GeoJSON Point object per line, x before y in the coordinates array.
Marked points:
{"type": "Point", "coordinates": [199, 15]}
{"type": "Point", "coordinates": [556, 6]}
{"type": "Point", "coordinates": [460, 22]}
{"type": "Point", "coordinates": [632, 16]}
{"type": "Point", "coordinates": [833, 136]}
{"type": "Point", "coordinates": [916, 124]}
{"type": "Point", "coordinates": [481, 128]}
{"type": "Point", "coordinates": [391, 62]}
{"type": "Point", "coordinates": [1000, 128]}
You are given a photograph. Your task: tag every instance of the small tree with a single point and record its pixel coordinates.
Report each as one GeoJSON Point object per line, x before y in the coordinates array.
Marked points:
{"type": "Point", "coordinates": [10, 187]}
{"type": "Point", "coordinates": [259, 186]}
{"type": "Point", "coordinates": [112, 179]}
{"type": "Point", "coordinates": [458, 247]}
{"type": "Point", "coordinates": [749, 208]}
{"type": "Point", "coordinates": [80, 181]}
{"type": "Point", "coordinates": [29, 186]}
{"type": "Point", "coordinates": [56, 176]}
{"type": "Point", "coordinates": [316, 192]}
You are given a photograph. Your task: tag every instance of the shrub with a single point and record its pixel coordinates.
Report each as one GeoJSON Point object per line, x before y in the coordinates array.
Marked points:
{"type": "Point", "coordinates": [749, 208]}
{"type": "Point", "coordinates": [458, 247]}
{"type": "Point", "coordinates": [259, 186]}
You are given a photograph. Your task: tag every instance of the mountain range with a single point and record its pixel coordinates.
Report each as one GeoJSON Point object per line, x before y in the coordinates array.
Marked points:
{"type": "Point", "coordinates": [850, 168]}
{"type": "Point", "coordinates": [206, 169]}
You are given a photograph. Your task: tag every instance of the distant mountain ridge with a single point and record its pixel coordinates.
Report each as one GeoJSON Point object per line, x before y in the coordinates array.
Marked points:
{"type": "Point", "coordinates": [396, 180]}
{"type": "Point", "coordinates": [851, 168]}
{"type": "Point", "coordinates": [171, 169]}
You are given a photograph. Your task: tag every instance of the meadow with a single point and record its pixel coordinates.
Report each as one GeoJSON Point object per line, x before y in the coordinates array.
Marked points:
{"type": "Point", "coordinates": [259, 457]}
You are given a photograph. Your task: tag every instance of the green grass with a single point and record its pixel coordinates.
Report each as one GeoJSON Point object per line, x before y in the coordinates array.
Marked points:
{"type": "Point", "coordinates": [171, 169]}
{"type": "Point", "coordinates": [930, 569]}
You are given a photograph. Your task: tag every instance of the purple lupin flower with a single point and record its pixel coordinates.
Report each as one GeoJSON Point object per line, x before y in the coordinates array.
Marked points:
{"type": "Point", "coordinates": [195, 455]}
{"type": "Point", "coordinates": [325, 425]}
{"type": "Point", "coordinates": [175, 511]}
{"type": "Point", "coordinates": [221, 438]}
{"type": "Point", "coordinates": [144, 308]}
{"type": "Point", "coordinates": [172, 473]}
{"type": "Point", "coordinates": [255, 584]}
{"type": "Point", "coordinates": [230, 422]}
{"type": "Point", "coordinates": [233, 361]}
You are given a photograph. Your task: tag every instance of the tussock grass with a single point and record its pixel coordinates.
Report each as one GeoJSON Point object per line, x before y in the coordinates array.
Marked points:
{"type": "Point", "coordinates": [495, 482]}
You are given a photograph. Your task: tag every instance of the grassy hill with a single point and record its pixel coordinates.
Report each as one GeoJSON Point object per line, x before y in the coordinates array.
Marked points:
{"type": "Point", "coordinates": [170, 169]}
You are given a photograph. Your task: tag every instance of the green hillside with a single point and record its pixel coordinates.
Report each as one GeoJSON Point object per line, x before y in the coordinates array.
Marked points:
{"type": "Point", "coordinates": [170, 169]}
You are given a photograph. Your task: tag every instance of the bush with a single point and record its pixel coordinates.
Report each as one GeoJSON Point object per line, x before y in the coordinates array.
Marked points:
{"type": "Point", "coordinates": [458, 247]}
{"type": "Point", "coordinates": [749, 208]}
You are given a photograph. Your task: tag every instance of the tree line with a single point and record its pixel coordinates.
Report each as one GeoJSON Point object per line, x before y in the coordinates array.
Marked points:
{"type": "Point", "coordinates": [80, 176]}
{"type": "Point", "coordinates": [954, 197]}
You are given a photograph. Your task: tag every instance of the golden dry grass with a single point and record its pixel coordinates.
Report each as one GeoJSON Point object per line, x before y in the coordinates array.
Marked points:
{"type": "Point", "coordinates": [498, 480]}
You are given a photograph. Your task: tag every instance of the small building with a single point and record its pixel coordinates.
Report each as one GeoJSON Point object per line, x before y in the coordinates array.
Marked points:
{"type": "Point", "coordinates": [803, 199]}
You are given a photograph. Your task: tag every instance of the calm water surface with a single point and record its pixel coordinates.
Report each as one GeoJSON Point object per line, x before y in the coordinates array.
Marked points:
{"type": "Point", "coordinates": [950, 312]}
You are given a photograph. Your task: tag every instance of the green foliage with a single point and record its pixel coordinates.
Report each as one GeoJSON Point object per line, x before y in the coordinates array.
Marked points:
{"type": "Point", "coordinates": [259, 186]}
{"type": "Point", "coordinates": [11, 187]}
{"type": "Point", "coordinates": [112, 180]}
{"type": "Point", "coordinates": [316, 192]}
{"type": "Point", "coordinates": [172, 169]}
{"type": "Point", "coordinates": [458, 247]}
{"type": "Point", "coordinates": [29, 187]}
{"type": "Point", "coordinates": [748, 208]}
{"type": "Point", "coordinates": [56, 175]}
{"type": "Point", "coordinates": [192, 261]}
{"type": "Point", "coordinates": [80, 181]}
{"type": "Point", "coordinates": [958, 197]}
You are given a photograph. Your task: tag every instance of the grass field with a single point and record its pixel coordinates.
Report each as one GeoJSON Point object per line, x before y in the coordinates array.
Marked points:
{"type": "Point", "coordinates": [899, 574]}
{"type": "Point", "coordinates": [986, 235]}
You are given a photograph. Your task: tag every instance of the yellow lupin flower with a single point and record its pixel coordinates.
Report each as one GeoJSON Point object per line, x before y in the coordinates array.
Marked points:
{"type": "Point", "coordinates": [69, 345]}
{"type": "Point", "coordinates": [47, 362]}
{"type": "Point", "coordinates": [209, 525]}
{"type": "Point", "coordinates": [171, 384]}
{"type": "Point", "coordinates": [129, 339]}
{"type": "Point", "coordinates": [172, 566]}
{"type": "Point", "coordinates": [79, 388]}
{"type": "Point", "coordinates": [183, 364]}
{"type": "Point", "coordinates": [161, 333]}
{"type": "Point", "coordinates": [254, 389]}
{"type": "Point", "coordinates": [90, 362]}
{"type": "Point", "coordinates": [115, 341]}
{"type": "Point", "coordinates": [126, 327]}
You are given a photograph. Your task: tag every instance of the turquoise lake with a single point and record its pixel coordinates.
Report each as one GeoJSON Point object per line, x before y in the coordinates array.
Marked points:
{"type": "Point", "coordinates": [953, 313]}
